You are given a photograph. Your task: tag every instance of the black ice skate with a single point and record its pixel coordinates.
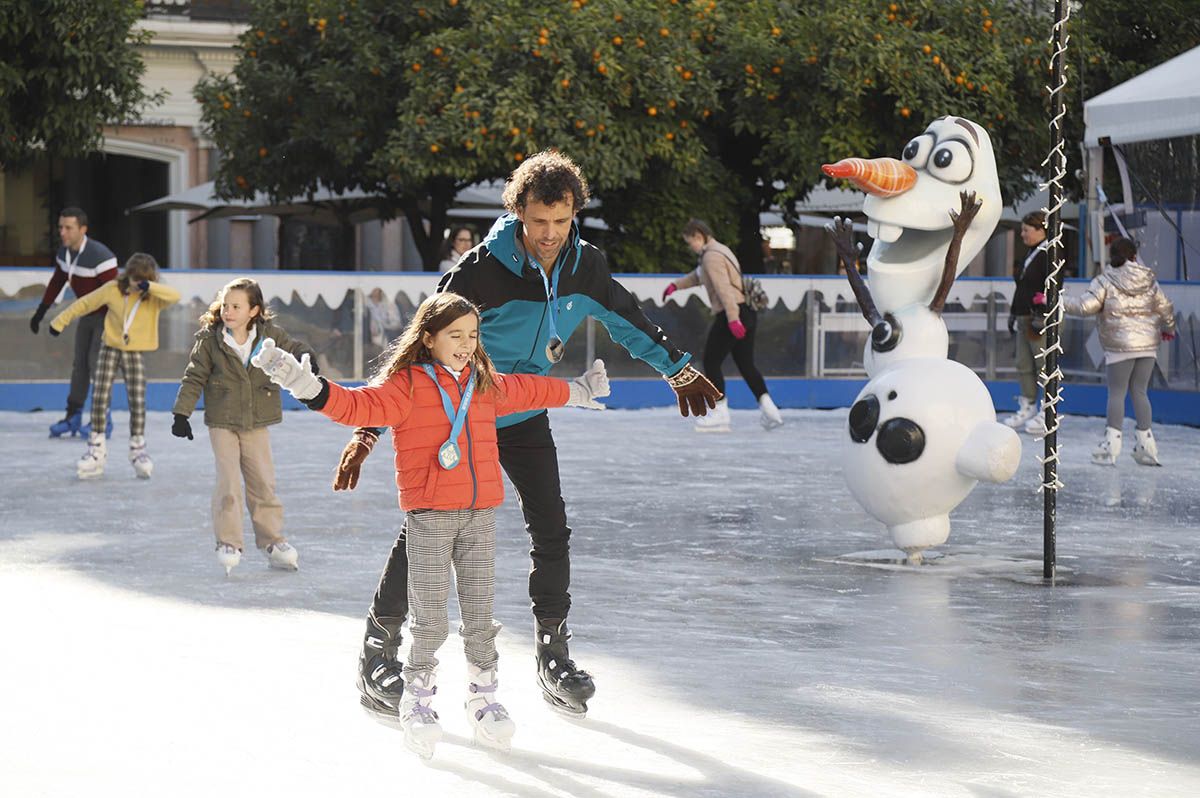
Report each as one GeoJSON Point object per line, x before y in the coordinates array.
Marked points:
{"type": "Point", "coordinates": [564, 686]}
{"type": "Point", "coordinates": [380, 673]}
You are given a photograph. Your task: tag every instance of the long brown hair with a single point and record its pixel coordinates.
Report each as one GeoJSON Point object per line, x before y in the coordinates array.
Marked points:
{"type": "Point", "coordinates": [433, 315]}
{"type": "Point", "coordinates": [140, 266]}
{"type": "Point", "coordinates": [211, 318]}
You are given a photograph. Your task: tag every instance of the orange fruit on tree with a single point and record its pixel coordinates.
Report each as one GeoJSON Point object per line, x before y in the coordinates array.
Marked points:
{"type": "Point", "coordinates": [652, 111]}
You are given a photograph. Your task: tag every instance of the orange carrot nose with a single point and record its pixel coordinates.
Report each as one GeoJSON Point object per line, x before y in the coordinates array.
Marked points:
{"type": "Point", "coordinates": [881, 177]}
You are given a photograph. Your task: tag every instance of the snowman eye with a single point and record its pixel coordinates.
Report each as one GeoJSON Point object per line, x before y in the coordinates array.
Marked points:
{"type": "Point", "coordinates": [952, 162]}
{"type": "Point", "coordinates": [916, 152]}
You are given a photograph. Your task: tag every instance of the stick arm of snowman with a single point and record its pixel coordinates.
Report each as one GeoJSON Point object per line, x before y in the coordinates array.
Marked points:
{"type": "Point", "coordinates": [961, 221]}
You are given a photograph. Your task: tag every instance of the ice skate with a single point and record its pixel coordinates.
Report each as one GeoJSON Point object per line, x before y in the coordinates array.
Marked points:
{"type": "Point", "coordinates": [143, 466]}
{"type": "Point", "coordinates": [493, 727]}
{"type": "Point", "coordinates": [1026, 409]}
{"type": "Point", "coordinates": [769, 417]}
{"type": "Point", "coordinates": [283, 555]}
{"type": "Point", "coordinates": [380, 672]}
{"type": "Point", "coordinates": [228, 556]}
{"type": "Point", "coordinates": [717, 419]}
{"type": "Point", "coordinates": [70, 425]}
{"type": "Point", "coordinates": [422, 732]}
{"type": "Point", "coordinates": [564, 686]}
{"type": "Point", "coordinates": [1106, 453]}
{"type": "Point", "coordinates": [91, 465]}
{"type": "Point", "coordinates": [1145, 451]}
{"type": "Point", "coordinates": [1037, 424]}
{"type": "Point", "coordinates": [86, 430]}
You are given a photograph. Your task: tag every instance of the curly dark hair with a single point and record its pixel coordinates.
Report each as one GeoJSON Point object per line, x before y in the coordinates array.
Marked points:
{"type": "Point", "coordinates": [547, 177]}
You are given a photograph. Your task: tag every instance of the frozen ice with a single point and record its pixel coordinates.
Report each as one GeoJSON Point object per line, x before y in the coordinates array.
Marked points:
{"type": "Point", "coordinates": [749, 630]}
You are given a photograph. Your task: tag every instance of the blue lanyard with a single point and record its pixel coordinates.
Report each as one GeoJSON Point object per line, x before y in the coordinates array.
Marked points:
{"type": "Point", "coordinates": [552, 298]}
{"type": "Point", "coordinates": [449, 454]}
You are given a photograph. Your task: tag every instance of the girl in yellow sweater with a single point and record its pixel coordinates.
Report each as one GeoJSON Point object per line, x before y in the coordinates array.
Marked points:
{"type": "Point", "coordinates": [134, 301]}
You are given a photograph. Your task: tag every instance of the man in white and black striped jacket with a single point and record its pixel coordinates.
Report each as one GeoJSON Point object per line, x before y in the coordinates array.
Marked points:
{"type": "Point", "coordinates": [86, 264]}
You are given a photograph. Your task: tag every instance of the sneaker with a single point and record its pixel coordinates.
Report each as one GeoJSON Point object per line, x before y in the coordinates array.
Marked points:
{"type": "Point", "coordinates": [717, 419]}
{"type": "Point", "coordinates": [228, 556]}
{"type": "Point", "coordinates": [91, 465]}
{"type": "Point", "coordinates": [283, 555]}
{"type": "Point", "coordinates": [142, 465]}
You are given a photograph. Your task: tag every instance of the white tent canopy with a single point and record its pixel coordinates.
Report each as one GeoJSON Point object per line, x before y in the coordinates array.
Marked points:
{"type": "Point", "coordinates": [1161, 103]}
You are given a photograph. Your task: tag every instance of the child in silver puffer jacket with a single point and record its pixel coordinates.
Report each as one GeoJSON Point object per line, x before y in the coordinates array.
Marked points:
{"type": "Point", "coordinates": [1133, 315]}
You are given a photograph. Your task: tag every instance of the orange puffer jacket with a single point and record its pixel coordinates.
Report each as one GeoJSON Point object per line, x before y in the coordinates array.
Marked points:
{"type": "Point", "coordinates": [411, 405]}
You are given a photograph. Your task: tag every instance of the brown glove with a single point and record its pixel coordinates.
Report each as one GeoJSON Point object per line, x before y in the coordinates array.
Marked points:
{"type": "Point", "coordinates": [353, 455]}
{"type": "Point", "coordinates": [695, 393]}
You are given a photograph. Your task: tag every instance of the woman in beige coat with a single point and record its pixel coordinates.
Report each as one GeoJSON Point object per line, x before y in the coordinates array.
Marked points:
{"type": "Point", "coordinates": [732, 330]}
{"type": "Point", "coordinates": [1133, 315]}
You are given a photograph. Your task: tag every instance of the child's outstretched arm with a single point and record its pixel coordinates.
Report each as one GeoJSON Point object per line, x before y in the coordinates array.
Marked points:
{"type": "Point", "coordinates": [383, 405]}
{"type": "Point", "coordinates": [520, 392]}
{"type": "Point", "coordinates": [80, 307]}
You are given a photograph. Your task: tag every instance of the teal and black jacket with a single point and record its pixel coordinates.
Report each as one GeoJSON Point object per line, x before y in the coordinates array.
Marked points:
{"type": "Point", "coordinates": [510, 292]}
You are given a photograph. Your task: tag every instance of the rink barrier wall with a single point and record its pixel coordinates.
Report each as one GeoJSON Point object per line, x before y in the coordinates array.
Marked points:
{"type": "Point", "coordinates": [1170, 407]}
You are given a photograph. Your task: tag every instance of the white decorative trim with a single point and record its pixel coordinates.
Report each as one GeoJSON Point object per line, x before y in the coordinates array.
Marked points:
{"type": "Point", "coordinates": [178, 179]}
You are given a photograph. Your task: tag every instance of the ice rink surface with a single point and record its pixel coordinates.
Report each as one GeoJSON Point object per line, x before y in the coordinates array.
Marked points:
{"type": "Point", "coordinates": [737, 650]}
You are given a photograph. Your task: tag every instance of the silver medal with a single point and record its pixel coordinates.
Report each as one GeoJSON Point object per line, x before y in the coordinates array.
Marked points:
{"type": "Point", "coordinates": [555, 349]}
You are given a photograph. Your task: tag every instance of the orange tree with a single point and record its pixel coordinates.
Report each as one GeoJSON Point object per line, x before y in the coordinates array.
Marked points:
{"type": "Point", "coordinates": [806, 84]}
{"type": "Point", "coordinates": [68, 68]}
{"type": "Point", "coordinates": [618, 85]}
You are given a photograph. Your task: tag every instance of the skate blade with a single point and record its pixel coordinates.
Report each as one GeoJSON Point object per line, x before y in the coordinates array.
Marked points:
{"type": "Point", "coordinates": [568, 710]}
{"type": "Point", "coordinates": [89, 474]}
{"type": "Point", "coordinates": [772, 425]}
{"type": "Point", "coordinates": [720, 428]}
{"type": "Point", "coordinates": [380, 713]}
{"type": "Point", "coordinates": [423, 749]}
{"type": "Point", "coordinates": [483, 740]}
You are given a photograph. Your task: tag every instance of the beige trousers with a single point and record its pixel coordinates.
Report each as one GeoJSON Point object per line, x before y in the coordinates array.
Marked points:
{"type": "Point", "coordinates": [238, 454]}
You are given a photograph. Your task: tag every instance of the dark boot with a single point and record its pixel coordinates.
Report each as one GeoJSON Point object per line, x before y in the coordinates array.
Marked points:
{"type": "Point", "coordinates": [564, 686]}
{"type": "Point", "coordinates": [69, 426]}
{"type": "Point", "coordinates": [380, 672]}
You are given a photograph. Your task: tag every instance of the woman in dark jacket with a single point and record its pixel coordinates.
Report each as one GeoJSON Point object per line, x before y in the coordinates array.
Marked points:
{"type": "Point", "coordinates": [1025, 321]}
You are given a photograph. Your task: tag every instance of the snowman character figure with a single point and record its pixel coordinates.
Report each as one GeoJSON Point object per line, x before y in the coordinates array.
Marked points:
{"type": "Point", "coordinates": [923, 431]}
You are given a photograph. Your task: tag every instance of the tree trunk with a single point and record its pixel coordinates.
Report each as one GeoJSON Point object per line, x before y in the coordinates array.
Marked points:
{"type": "Point", "coordinates": [347, 246]}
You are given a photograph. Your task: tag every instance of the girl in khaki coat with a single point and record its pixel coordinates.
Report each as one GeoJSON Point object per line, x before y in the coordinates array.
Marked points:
{"type": "Point", "coordinates": [239, 404]}
{"type": "Point", "coordinates": [733, 326]}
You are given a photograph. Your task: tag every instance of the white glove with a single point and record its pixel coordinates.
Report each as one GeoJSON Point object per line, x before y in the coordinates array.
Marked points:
{"type": "Point", "coordinates": [588, 387]}
{"type": "Point", "coordinates": [287, 372]}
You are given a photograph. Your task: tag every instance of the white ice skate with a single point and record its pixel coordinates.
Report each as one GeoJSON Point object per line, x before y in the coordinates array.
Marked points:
{"type": "Point", "coordinates": [143, 466]}
{"type": "Point", "coordinates": [1026, 409]}
{"type": "Point", "coordinates": [493, 727]}
{"type": "Point", "coordinates": [1145, 451]}
{"type": "Point", "coordinates": [283, 555]}
{"type": "Point", "coordinates": [717, 419]}
{"type": "Point", "coordinates": [770, 417]}
{"type": "Point", "coordinates": [1106, 453]}
{"type": "Point", "coordinates": [91, 465]}
{"type": "Point", "coordinates": [422, 732]}
{"type": "Point", "coordinates": [228, 556]}
{"type": "Point", "coordinates": [1036, 425]}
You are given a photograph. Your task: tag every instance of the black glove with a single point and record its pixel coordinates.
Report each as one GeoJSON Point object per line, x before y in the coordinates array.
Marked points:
{"type": "Point", "coordinates": [54, 332]}
{"type": "Point", "coordinates": [37, 317]}
{"type": "Point", "coordinates": [1012, 325]}
{"type": "Point", "coordinates": [181, 427]}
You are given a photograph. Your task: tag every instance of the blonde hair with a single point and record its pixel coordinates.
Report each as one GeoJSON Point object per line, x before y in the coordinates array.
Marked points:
{"type": "Point", "coordinates": [140, 266]}
{"type": "Point", "coordinates": [211, 318]}
{"type": "Point", "coordinates": [433, 315]}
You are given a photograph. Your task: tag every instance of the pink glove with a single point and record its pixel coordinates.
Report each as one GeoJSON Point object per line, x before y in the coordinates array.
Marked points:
{"type": "Point", "coordinates": [738, 329]}
{"type": "Point", "coordinates": [1168, 335]}
{"type": "Point", "coordinates": [1039, 298]}
{"type": "Point", "coordinates": [670, 289]}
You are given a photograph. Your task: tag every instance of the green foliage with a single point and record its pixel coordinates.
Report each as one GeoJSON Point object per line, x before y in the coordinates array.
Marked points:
{"type": "Point", "coordinates": [67, 69]}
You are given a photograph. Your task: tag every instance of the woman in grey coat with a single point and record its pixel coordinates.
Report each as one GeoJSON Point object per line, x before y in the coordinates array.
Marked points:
{"type": "Point", "coordinates": [1133, 315]}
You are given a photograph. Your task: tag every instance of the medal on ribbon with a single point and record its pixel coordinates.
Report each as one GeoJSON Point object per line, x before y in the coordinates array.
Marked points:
{"type": "Point", "coordinates": [555, 348]}
{"type": "Point", "coordinates": [449, 455]}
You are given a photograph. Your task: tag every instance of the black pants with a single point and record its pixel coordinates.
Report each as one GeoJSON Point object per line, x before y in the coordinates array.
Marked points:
{"type": "Point", "coordinates": [89, 333]}
{"type": "Point", "coordinates": [721, 343]}
{"type": "Point", "coordinates": [529, 457]}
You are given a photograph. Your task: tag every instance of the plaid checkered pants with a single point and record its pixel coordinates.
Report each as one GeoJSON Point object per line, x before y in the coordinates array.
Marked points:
{"type": "Point", "coordinates": [438, 539]}
{"type": "Point", "coordinates": [135, 387]}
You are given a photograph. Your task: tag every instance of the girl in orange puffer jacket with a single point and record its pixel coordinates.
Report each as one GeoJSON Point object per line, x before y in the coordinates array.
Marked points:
{"type": "Point", "coordinates": [440, 394]}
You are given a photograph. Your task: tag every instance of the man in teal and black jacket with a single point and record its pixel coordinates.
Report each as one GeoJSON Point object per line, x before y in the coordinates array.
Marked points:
{"type": "Point", "coordinates": [535, 281]}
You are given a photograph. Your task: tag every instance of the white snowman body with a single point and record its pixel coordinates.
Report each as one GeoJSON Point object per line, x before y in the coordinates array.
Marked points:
{"type": "Point", "coordinates": [921, 434]}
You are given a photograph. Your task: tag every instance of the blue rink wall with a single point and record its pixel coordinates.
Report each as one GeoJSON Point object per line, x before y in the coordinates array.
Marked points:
{"type": "Point", "coordinates": [1170, 407]}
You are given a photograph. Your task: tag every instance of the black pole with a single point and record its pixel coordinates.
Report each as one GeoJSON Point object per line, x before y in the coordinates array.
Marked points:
{"type": "Point", "coordinates": [1051, 386]}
